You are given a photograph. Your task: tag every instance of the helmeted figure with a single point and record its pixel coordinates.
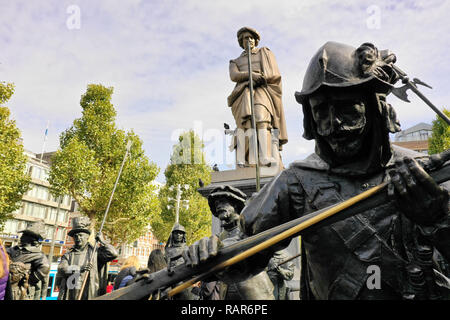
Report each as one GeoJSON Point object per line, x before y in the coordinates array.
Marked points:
{"type": "Point", "coordinates": [345, 111]}
{"type": "Point", "coordinates": [280, 272]}
{"type": "Point", "coordinates": [174, 248]}
{"type": "Point", "coordinates": [386, 252]}
{"type": "Point", "coordinates": [269, 113]}
{"type": "Point", "coordinates": [76, 262]}
{"type": "Point", "coordinates": [226, 203]}
{"type": "Point", "coordinates": [29, 253]}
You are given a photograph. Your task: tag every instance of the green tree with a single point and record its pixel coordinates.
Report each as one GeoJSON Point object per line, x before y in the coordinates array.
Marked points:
{"type": "Point", "coordinates": [87, 164]}
{"type": "Point", "coordinates": [440, 135]}
{"type": "Point", "coordinates": [14, 181]}
{"type": "Point", "coordinates": [187, 166]}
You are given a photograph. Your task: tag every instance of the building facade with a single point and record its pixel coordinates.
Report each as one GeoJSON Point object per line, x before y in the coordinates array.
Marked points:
{"type": "Point", "coordinates": [39, 204]}
{"type": "Point", "coordinates": [414, 138]}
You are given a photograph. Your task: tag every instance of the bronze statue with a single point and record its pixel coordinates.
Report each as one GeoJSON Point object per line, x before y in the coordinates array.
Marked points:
{"type": "Point", "coordinates": [280, 271]}
{"type": "Point", "coordinates": [76, 262]}
{"type": "Point", "coordinates": [19, 280]}
{"type": "Point", "coordinates": [226, 203]}
{"type": "Point", "coordinates": [386, 252]}
{"type": "Point", "coordinates": [174, 248]}
{"type": "Point", "coordinates": [29, 253]}
{"type": "Point", "coordinates": [269, 113]}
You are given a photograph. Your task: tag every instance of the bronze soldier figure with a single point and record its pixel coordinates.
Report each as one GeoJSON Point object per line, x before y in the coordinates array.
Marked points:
{"type": "Point", "coordinates": [280, 272]}
{"type": "Point", "coordinates": [29, 253]}
{"type": "Point", "coordinates": [226, 203]}
{"type": "Point", "coordinates": [174, 248]}
{"type": "Point", "coordinates": [76, 262]}
{"type": "Point", "coordinates": [346, 113]}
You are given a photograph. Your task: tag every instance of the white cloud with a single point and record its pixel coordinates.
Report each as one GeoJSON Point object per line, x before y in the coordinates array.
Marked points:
{"type": "Point", "coordinates": [168, 61]}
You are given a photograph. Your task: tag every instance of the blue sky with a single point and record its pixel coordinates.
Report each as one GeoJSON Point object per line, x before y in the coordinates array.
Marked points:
{"type": "Point", "coordinates": [168, 60]}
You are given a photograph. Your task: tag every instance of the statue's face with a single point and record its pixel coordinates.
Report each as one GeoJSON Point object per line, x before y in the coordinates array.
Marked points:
{"type": "Point", "coordinates": [178, 236]}
{"type": "Point", "coordinates": [340, 118]}
{"type": "Point", "coordinates": [80, 239]}
{"type": "Point", "coordinates": [227, 214]}
{"type": "Point", "coordinates": [247, 36]}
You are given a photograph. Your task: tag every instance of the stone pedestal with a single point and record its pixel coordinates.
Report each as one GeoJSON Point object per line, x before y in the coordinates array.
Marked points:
{"type": "Point", "coordinates": [243, 179]}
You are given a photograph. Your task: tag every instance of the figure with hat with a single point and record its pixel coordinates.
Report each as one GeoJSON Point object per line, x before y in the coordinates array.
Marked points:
{"type": "Point", "coordinates": [76, 262]}
{"type": "Point", "coordinates": [226, 203]}
{"type": "Point", "coordinates": [173, 254]}
{"type": "Point", "coordinates": [28, 252]}
{"type": "Point", "coordinates": [385, 252]}
{"type": "Point", "coordinates": [268, 108]}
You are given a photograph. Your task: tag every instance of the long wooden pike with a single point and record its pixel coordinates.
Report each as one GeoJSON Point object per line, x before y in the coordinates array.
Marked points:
{"type": "Point", "coordinates": [243, 249]}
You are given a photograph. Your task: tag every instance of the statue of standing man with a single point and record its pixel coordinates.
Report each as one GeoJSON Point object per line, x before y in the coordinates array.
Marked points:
{"type": "Point", "coordinates": [268, 108]}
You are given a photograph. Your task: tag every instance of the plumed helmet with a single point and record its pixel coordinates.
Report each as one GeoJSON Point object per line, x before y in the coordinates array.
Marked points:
{"type": "Point", "coordinates": [338, 65]}
{"type": "Point", "coordinates": [80, 224]}
{"type": "Point", "coordinates": [35, 229]}
{"type": "Point", "coordinates": [232, 194]}
{"type": "Point", "coordinates": [252, 31]}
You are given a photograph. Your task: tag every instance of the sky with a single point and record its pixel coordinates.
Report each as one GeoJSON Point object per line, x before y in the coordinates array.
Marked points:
{"type": "Point", "coordinates": [168, 61]}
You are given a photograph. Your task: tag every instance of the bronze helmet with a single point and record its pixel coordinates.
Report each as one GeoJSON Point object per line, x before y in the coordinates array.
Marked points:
{"type": "Point", "coordinates": [338, 65]}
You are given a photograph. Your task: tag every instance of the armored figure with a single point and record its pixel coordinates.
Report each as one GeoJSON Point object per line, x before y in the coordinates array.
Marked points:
{"type": "Point", "coordinates": [174, 248]}
{"type": "Point", "coordinates": [226, 203]}
{"type": "Point", "coordinates": [279, 272]}
{"type": "Point", "coordinates": [76, 262]}
{"type": "Point", "coordinates": [269, 113]}
{"type": "Point", "coordinates": [175, 245]}
{"type": "Point", "coordinates": [29, 253]}
{"type": "Point", "coordinates": [346, 113]}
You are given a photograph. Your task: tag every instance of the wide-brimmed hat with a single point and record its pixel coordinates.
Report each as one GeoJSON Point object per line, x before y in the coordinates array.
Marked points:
{"type": "Point", "coordinates": [35, 229]}
{"type": "Point", "coordinates": [80, 224]}
{"type": "Point", "coordinates": [232, 194]}
{"type": "Point", "coordinates": [252, 31]}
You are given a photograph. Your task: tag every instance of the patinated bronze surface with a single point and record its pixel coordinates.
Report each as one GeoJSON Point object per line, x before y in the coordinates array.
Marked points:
{"type": "Point", "coordinates": [76, 262]}
{"type": "Point", "coordinates": [30, 260]}
{"type": "Point", "coordinates": [387, 252]}
{"type": "Point", "coordinates": [279, 272]}
{"type": "Point", "coordinates": [226, 203]}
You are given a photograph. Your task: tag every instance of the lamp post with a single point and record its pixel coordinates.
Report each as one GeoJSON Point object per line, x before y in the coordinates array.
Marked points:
{"type": "Point", "coordinates": [178, 201]}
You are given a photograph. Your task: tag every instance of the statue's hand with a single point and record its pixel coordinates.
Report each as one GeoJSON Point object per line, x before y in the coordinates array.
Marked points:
{"type": "Point", "coordinates": [416, 194]}
{"type": "Point", "coordinates": [202, 250]}
{"type": "Point", "coordinates": [86, 267]}
{"type": "Point", "coordinates": [258, 79]}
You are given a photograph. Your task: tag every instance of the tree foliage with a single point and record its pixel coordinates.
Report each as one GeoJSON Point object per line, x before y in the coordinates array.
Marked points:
{"type": "Point", "coordinates": [187, 166]}
{"type": "Point", "coordinates": [14, 181]}
{"type": "Point", "coordinates": [440, 135]}
{"type": "Point", "coordinates": [88, 162]}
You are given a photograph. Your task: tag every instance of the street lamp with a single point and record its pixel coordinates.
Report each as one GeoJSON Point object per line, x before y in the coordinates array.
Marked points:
{"type": "Point", "coordinates": [178, 201]}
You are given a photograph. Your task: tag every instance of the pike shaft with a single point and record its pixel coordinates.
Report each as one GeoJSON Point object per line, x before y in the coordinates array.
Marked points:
{"type": "Point", "coordinates": [279, 237]}
{"type": "Point", "coordinates": [255, 136]}
{"type": "Point", "coordinates": [428, 102]}
{"type": "Point", "coordinates": [91, 260]}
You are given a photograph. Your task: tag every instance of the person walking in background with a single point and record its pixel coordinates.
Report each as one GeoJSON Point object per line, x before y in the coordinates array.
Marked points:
{"type": "Point", "coordinates": [156, 261]}
{"type": "Point", "coordinates": [127, 272]}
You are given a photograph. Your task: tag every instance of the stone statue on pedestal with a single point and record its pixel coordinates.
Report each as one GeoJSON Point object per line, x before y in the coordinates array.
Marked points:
{"type": "Point", "coordinates": [268, 109]}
